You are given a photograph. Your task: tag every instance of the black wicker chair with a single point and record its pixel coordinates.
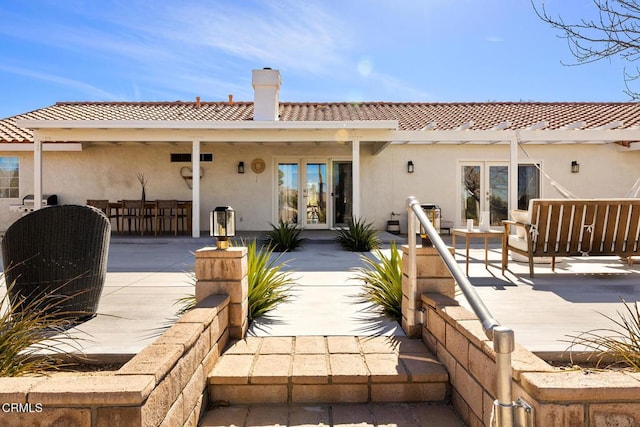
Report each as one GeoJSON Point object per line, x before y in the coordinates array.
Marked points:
{"type": "Point", "coordinates": [55, 261]}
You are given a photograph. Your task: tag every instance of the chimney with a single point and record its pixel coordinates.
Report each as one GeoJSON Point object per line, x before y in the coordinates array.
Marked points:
{"type": "Point", "coordinates": [266, 85]}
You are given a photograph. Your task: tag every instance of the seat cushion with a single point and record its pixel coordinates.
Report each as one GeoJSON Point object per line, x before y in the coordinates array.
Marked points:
{"type": "Point", "coordinates": [521, 243]}
{"type": "Point", "coordinates": [523, 217]}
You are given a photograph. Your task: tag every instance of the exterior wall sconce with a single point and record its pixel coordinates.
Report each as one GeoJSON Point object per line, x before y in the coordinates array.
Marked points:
{"type": "Point", "coordinates": [222, 223]}
{"type": "Point", "coordinates": [575, 166]}
{"type": "Point", "coordinates": [241, 167]}
{"type": "Point", "coordinates": [410, 167]}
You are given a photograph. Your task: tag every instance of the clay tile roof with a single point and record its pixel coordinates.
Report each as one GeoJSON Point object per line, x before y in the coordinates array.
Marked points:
{"type": "Point", "coordinates": [410, 116]}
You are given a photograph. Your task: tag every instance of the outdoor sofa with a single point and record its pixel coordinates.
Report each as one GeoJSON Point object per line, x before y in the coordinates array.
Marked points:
{"type": "Point", "coordinates": [573, 227]}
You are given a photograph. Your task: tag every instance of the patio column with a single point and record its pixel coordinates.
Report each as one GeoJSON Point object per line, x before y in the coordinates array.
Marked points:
{"type": "Point", "coordinates": [513, 172]}
{"type": "Point", "coordinates": [355, 170]}
{"type": "Point", "coordinates": [195, 189]}
{"type": "Point", "coordinates": [37, 171]}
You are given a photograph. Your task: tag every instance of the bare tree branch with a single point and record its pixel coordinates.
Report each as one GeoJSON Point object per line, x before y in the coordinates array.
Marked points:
{"type": "Point", "coordinates": [615, 32]}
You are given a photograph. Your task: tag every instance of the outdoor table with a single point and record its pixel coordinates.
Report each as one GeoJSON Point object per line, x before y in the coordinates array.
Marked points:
{"type": "Point", "coordinates": [469, 234]}
{"type": "Point", "coordinates": [186, 206]}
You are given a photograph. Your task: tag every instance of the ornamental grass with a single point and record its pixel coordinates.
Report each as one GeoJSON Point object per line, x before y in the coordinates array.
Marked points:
{"type": "Point", "coordinates": [382, 282]}
{"type": "Point", "coordinates": [617, 345]}
{"type": "Point", "coordinates": [358, 236]}
{"type": "Point", "coordinates": [34, 338]}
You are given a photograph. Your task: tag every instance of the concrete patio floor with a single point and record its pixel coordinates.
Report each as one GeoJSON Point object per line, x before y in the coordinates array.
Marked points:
{"type": "Point", "coordinates": [146, 276]}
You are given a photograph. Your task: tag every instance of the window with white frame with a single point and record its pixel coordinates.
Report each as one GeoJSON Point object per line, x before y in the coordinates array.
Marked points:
{"type": "Point", "coordinates": [9, 178]}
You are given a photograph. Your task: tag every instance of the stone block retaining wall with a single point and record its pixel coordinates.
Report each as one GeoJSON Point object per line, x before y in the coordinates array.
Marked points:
{"type": "Point", "coordinates": [559, 397]}
{"type": "Point", "coordinates": [163, 385]}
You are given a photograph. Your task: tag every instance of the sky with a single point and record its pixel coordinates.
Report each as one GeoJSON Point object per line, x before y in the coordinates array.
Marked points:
{"type": "Point", "coordinates": [325, 50]}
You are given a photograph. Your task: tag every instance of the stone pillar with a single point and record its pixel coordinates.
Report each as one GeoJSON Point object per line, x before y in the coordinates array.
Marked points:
{"type": "Point", "coordinates": [432, 276]}
{"type": "Point", "coordinates": [225, 272]}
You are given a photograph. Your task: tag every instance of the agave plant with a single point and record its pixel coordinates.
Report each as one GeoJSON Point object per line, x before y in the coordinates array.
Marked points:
{"type": "Point", "coordinates": [33, 337]}
{"type": "Point", "coordinates": [359, 236]}
{"type": "Point", "coordinates": [269, 284]}
{"type": "Point", "coordinates": [284, 237]}
{"type": "Point", "coordinates": [622, 345]}
{"type": "Point", "coordinates": [382, 281]}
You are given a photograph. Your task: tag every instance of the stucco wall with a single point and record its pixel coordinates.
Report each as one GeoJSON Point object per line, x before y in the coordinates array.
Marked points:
{"type": "Point", "coordinates": [109, 171]}
{"type": "Point", "coordinates": [604, 172]}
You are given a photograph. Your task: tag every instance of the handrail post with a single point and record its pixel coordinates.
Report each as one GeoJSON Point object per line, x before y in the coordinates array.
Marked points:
{"type": "Point", "coordinates": [503, 345]}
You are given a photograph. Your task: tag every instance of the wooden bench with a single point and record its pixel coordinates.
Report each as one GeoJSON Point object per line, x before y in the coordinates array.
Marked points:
{"type": "Point", "coordinates": [562, 227]}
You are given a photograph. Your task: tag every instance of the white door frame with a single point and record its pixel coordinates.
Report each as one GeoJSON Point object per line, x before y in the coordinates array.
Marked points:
{"type": "Point", "coordinates": [484, 185]}
{"type": "Point", "coordinates": [302, 162]}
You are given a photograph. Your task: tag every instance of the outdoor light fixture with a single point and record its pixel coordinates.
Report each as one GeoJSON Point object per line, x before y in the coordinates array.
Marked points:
{"type": "Point", "coordinates": [241, 167]}
{"type": "Point", "coordinates": [222, 223]}
{"type": "Point", "coordinates": [410, 167]}
{"type": "Point", "coordinates": [575, 166]}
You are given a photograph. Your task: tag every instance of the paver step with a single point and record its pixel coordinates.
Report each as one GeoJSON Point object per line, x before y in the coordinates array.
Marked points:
{"type": "Point", "coordinates": [364, 414]}
{"type": "Point", "coordinates": [333, 369]}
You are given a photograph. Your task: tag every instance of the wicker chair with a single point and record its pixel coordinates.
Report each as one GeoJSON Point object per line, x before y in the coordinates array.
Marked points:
{"type": "Point", "coordinates": [55, 260]}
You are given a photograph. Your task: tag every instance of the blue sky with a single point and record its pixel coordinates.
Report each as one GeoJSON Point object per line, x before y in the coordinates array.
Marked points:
{"type": "Point", "coordinates": [326, 50]}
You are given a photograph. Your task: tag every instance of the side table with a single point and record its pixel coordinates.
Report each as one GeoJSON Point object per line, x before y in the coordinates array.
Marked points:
{"type": "Point", "coordinates": [475, 233]}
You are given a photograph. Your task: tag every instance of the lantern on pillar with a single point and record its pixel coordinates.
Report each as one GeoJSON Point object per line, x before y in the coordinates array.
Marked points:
{"type": "Point", "coordinates": [222, 224]}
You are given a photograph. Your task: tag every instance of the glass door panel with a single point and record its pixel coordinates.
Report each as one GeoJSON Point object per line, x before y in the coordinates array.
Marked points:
{"type": "Point", "coordinates": [470, 193]}
{"type": "Point", "coordinates": [498, 193]}
{"type": "Point", "coordinates": [288, 192]}
{"type": "Point", "coordinates": [342, 193]}
{"type": "Point", "coordinates": [315, 194]}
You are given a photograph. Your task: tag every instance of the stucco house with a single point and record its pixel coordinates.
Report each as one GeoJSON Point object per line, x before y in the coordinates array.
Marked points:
{"type": "Point", "coordinates": [319, 164]}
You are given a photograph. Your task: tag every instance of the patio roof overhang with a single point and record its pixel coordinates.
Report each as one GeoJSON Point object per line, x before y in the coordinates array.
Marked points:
{"type": "Point", "coordinates": [380, 133]}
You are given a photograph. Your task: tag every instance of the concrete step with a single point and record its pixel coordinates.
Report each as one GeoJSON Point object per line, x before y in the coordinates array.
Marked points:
{"type": "Point", "coordinates": [364, 414]}
{"type": "Point", "coordinates": [326, 370]}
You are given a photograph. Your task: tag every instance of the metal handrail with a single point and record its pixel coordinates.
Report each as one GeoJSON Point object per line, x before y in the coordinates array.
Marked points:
{"type": "Point", "coordinates": [503, 338]}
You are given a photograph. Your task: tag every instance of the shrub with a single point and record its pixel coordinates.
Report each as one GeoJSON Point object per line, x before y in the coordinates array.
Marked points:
{"type": "Point", "coordinates": [269, 285]}
{"type": "Point", "coordinates": [620, 345]}
{"type": "Point", "coordinates": [284, 237]}
{"type": "Point", "coordinates": [31, 341]}
{"type": "Point", "coordinates": [359, 236]}
{"type": "Point", "coordinates": [382, 282]}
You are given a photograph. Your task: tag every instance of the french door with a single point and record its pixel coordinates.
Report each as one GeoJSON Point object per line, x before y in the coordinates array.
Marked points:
{"type": "Point", "coordinates": [314, 193]}
{"type": "Point", "coordinates": [484, 186]}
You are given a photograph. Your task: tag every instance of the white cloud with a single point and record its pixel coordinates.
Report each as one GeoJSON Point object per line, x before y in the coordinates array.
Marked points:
{"type": "Point", "coordinates": [63, 81]}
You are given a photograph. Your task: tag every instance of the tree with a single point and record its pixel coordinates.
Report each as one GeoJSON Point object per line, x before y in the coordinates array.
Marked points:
{"type": "Point", "coordinates": [615, 32]}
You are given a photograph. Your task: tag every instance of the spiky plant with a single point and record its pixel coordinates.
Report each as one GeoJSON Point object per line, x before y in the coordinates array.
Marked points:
{"type": "Point", "coordinates": [620, 345]}
{"type": "Point", "coordinates": [269, 283]}
{"type": "Point", "coordinates": [382, 281]}
{"type": "Point", "coordinates": [359, 236]}
{"type": "Point", "coordinates": [284, 237]}
{"type": "Point", "coordinates": [34, 337]}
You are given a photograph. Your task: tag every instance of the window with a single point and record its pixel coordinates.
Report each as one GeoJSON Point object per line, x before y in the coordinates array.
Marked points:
{"type": "Point", "coordinates": [528, 184]}
{"type": "Point", "coordinates": [9, 178]}
{"type": "Point", "coordinates": [186, 157]}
